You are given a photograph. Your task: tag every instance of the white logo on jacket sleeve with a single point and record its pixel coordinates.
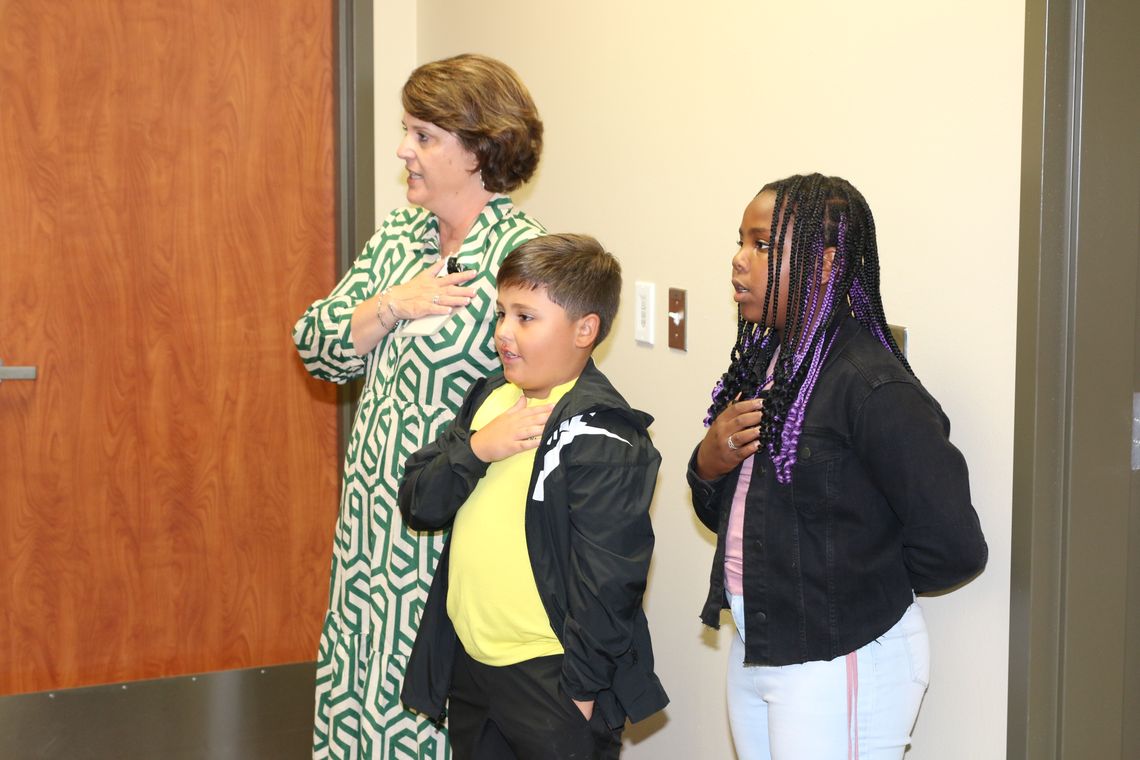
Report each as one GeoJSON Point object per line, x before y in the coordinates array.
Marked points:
{"type": "Point", "coordinates": [567, 432]}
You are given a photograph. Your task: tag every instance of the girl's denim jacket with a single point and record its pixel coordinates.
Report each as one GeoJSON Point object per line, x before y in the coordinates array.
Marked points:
{"type": "Point", "coordinates": [878, 509]}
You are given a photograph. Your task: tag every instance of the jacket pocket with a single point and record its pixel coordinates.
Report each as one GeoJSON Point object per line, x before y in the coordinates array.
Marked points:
{"type": "Point", "coordinates": [815, 476]}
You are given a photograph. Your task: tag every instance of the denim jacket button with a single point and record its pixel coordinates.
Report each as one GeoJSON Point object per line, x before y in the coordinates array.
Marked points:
{"type": "Point", "coordinates": [807, 452]}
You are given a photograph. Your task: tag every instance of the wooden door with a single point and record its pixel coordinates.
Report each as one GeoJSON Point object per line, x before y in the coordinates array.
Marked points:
{"type": "Point", "coordinates": [168, 484]}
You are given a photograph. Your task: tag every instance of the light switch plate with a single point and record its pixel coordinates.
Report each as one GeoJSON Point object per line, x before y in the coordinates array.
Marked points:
{"type": "Point", "coordinates": [644, 295]}
{"type": "Point", "coordinates": [677, 318]}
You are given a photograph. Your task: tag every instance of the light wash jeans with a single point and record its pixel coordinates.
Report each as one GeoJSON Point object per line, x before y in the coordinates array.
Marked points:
{"type": "Point", "coordinates": [858, 707]}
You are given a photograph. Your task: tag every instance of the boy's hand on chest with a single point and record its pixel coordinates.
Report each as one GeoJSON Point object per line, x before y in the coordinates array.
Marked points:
{"type": "Point", "coordinates": [517, 429]}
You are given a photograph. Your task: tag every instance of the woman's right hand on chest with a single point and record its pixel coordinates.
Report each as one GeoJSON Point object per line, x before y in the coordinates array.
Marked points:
{"type": "Point", "coordinates": [424, 294]}
{"type": "Point", "coordinates": [427, 293]}
{"type": "Point", "coordinates": [731, 438]}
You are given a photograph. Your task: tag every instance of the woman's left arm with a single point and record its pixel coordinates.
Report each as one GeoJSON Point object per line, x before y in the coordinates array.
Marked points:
{"type": "Point", "coordinates": [323, 333]}
{"type": "Point", "coordinates": [903, 438]}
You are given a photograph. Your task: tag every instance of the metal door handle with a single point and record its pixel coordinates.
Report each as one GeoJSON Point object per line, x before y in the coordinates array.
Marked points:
{"type": "Point", "coordinates": [16, 373]}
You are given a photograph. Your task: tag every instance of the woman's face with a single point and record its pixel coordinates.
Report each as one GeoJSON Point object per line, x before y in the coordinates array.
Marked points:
{"type": "Point", "coordinates": [441, 172]}
{"type": "Point", "coordinates": [750, 264]}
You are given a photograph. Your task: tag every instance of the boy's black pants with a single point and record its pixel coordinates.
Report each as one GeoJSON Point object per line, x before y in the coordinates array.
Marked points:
{"type": "Point", "coordinates": [519, 712]}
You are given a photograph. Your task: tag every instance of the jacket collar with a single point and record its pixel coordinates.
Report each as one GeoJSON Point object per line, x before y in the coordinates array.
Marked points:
{"type": "Point", "coordinates": [592, 393]}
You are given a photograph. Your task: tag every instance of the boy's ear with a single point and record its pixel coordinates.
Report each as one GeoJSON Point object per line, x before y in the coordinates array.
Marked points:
{"type": "Point", "coordinates": [828, 257]}
{"type": "Point", "coordinates": [586, 331]}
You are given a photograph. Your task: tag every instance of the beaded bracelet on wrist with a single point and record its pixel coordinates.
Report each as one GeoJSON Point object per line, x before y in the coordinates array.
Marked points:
{"type": "Point", "coordinates": [380, 310]}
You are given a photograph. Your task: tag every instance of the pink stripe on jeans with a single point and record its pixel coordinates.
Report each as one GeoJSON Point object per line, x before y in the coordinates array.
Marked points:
{"type": "Point", "coordinates": [853, 706]}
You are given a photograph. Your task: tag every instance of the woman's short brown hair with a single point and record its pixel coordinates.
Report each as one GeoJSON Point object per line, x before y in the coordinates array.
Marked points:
{"type": "Point", "coordinates": [483, 102]}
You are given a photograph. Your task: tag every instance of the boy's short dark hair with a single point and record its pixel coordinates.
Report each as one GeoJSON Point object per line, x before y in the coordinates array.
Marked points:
{"type": "Point", "coordinates": [578, 273]}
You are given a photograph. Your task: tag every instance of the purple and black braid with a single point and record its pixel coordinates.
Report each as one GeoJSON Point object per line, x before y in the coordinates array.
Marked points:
{"type": "Point", "coordinates": [828, 212]}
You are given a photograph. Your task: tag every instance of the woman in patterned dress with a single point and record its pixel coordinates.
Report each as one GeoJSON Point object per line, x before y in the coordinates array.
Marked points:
{"type": "Point", "coordinates": [472, 134]}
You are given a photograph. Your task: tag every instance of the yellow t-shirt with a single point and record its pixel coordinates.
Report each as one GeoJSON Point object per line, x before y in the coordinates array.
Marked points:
{"type": "Point", "coordinates": [492, 598]}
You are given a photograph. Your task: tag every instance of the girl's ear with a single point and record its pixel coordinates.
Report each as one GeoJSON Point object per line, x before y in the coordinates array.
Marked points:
{"type": "Point", "coordinates": [586, 331]}
{"type": "Point", "coordinates": [828, 257]}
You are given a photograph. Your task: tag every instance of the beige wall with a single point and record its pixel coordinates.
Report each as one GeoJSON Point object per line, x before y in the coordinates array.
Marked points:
{"type": "Point", "coordinates": [662, 121]}
{"type": "Point", "coordinates": [394, 50]}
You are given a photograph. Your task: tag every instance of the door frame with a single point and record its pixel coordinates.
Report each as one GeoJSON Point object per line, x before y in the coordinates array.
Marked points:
{"type": "Point", "coordinates": [355, 161]}
{"type": "Point", "coordinates": [1073, 615]}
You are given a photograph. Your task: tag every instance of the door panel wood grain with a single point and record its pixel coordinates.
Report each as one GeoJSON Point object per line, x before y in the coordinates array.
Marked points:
{"type": "Point", "coordinates": [168, 484]}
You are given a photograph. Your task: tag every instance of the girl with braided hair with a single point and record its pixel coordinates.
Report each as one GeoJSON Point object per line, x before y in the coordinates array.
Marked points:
{"type": "Point", "coordinates": [828, 475]}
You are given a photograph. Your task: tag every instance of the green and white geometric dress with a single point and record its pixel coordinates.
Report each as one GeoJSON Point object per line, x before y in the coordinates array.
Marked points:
{"type": "Point", "coordinates": [381, 570]}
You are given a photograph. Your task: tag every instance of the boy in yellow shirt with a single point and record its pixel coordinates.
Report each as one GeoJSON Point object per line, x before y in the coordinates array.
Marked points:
{"type": "Point", "coordinates": [533, 632]}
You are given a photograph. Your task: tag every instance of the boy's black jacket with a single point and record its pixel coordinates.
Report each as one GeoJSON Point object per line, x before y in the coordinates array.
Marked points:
{"type": "Point", "coordinates": [588, 536]}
